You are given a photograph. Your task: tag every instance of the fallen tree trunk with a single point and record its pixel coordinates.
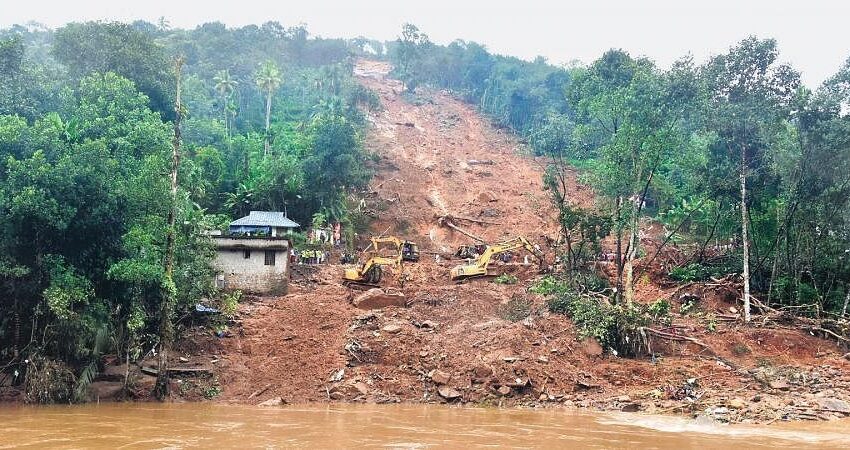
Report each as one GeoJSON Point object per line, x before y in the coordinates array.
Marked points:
{"type": "Point", "coordinates": [677, 337]}
{"type": "Point", "coordinates": [447, 221]}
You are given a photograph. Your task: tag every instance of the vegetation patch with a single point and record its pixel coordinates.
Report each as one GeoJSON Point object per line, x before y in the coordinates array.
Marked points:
{"type": "Point", "coordinates": [617, 327]}
{"type": "Point", "coordinates": [506, 278]}
{"type": "Point", "coordinates": [516, 309]}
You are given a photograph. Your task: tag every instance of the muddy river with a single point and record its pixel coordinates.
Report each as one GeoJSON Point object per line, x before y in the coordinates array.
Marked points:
{"type": "Point", "coordinates": [220, 426]}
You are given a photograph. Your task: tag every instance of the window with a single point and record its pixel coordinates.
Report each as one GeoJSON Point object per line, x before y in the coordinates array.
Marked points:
{"type": "Point", "coordinates": [270, 257]}
{"type": "Point", "coordinates": [246, 254]}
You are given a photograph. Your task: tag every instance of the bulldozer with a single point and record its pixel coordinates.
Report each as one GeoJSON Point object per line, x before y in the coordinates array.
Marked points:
{"type": "Point", "coordinates": [478, 268]}
{"type": "Point", "coordinates": [371, 272]}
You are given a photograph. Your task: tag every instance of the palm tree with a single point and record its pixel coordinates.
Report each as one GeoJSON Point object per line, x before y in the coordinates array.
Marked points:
{"type": "Point", "coordinates": [268, 80]}
{"type": "Point", "coordinates": [225, 85]}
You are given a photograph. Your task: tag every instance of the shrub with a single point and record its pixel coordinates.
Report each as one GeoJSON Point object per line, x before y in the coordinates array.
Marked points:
{"type": "Point", "coordinates": [617, 327]}
{"type": "Point", "coordinates": [515, 309]}
{"type": "Point", "coordinates": [48, 381]}
{"type": "Point", "coordinates": [659, 309]}
{"type": "Point", "coordinates": [690, 272]}
{"type": "Point", "coordinates": [549, 285]}
{"type": "Point", "coordinates": [741, 349]}
{"type": "Point", "coordinates": [230, 302]}
{"type": "Point", "coordinates": [506, 278]}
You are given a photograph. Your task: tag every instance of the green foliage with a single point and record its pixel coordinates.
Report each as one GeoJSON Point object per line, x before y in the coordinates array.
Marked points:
{"type": "Point", "coordinates": [506, 278]}
{"type": "Point", "coordinates": [85, 149]}
{"type": "Point", "coordinates": [101, 47]}
{"type": "Point", "coordinates": [618, 327]}
{"type": "Point", "coordinates": [690, 272]}
{"type": "Point", "coordinates": [66, 288]}
{"type": "Point", "coordinates": [659, 309]}
{"type": "Point", "coordinates": [550, 285]}
{"type": "Point", "coordinates": [229, 303]}
{"type": "Point", "coordinates": [212, 392]}
{"type": "Point", "coordinates": [688, 306]}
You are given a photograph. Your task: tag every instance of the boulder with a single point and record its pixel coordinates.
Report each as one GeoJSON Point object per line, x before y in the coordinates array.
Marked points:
{"type": "Point", "coordinates": [591, 347]}
{"type": "Point", "coordinates": [504, 390]}
{"type": "Point", "coordinates": [833, 404]}
{"type": "Point", "coordinates": [448, 393]}
{"type": "Point", "coordinates": [519, 383]}
{"type": "Point", "coordinates": [780, 385]}
{"type": "Point", "coordinates": [274, 401]}
{"type": "Point", "coordinates": [737, 403]}
{"type": "Point", "coordinates": [361, 388]}
{"type": "Point", "coordinates": [630, 407]}
{"type": "Point", "coordinates": [440, 377]}
{"type": "Point", "coordinates": [486, 197]}
{"type": "Point", "coordinates": [391, 329]}
{"type": "Point", "coordinates": [376, 298]}
{"type": "Point", "coordinates": [482, 371]}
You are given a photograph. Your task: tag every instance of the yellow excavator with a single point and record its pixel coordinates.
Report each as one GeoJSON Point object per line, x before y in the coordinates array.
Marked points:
{"type": "Point", "coordinates": [478, 268]}
{"type": "Point", "coordinates": [370, 273]}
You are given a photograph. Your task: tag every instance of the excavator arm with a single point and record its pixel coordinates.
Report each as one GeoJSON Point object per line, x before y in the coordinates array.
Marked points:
{"type": "Point", "coordinates": [370, 272]}
{"type": "Point", "coordinates": [480, 265]}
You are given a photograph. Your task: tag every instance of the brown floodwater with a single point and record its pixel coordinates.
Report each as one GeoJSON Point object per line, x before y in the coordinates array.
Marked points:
{"type": "Point", "coordinates": [198, 425]}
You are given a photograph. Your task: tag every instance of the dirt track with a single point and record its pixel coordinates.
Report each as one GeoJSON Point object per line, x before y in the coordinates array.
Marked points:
{"type": "Point", "coordinates": [438, 157]}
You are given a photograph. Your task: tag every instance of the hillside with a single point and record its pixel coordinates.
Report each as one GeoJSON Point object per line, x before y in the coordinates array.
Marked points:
{"type": "Point", "coordinates": [455, 342]}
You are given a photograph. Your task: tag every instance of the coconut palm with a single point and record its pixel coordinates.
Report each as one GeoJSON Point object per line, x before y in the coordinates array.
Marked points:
{"type": "Point", "coordinates": [225, 85]}
{"type": "Point", "coordinates": [268, 80]}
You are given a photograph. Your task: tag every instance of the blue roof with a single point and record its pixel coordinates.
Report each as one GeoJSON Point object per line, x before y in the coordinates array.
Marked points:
{"type": "Point", "coordinates": [265, 219]}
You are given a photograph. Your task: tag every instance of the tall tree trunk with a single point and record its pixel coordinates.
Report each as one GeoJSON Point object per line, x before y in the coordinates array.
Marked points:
{"type": "Point", "coordinates": [169, 290]}
{"type": "Point", "coordinates": [628, 269]}
{"type": "Point", "coordinates": [268, 121]}
{"type": "Point", "coordinates": [224, 111]}
{"type": "Point", "coordinates": [846, 300]}
{"type": "Point", "coordinates": [745, 222]}
{"type": "Point", "coordinates": [619, 256]}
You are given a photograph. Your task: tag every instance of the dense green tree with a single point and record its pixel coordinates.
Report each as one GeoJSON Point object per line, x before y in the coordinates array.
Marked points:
{"type": "Point", "coordinates": [116, 47]}
{"type": "Point", "coordinates": [750, 96]}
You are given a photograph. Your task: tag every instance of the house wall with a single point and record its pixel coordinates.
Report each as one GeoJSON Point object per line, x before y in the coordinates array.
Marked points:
{"type": "Point", "coordinates": [251, 274]}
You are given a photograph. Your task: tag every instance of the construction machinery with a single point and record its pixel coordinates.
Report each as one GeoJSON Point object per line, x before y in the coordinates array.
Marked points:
{"type": "Point", "coordinates": [478, 267]}
{"type": "Point", "coordinates": [371, 272]}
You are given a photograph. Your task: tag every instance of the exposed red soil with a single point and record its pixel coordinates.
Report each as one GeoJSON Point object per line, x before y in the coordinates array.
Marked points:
{"type": "Point", "coordinates": [312, 345]}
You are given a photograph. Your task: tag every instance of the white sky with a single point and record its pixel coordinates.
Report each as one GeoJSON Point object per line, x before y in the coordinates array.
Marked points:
{"type": "Point", "coordinates": [813, 35]}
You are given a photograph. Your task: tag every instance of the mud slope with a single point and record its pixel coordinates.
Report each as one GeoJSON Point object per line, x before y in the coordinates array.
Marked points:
{"type": "Point", "coordinates": [462, 342]}
{"type": "Point", "coordinates": [439, 157]}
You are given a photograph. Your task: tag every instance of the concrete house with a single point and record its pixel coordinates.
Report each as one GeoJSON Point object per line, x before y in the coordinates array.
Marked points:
{"type": "Point", "coordinates": [254, 256]}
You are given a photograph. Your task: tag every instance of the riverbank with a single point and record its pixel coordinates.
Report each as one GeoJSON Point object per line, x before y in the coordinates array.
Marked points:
{"type": "Point", "coordinates": [457, 344]}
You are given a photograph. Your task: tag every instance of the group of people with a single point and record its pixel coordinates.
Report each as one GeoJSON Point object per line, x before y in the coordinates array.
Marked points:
{"type": "Point", "coordinates": [308, 256]}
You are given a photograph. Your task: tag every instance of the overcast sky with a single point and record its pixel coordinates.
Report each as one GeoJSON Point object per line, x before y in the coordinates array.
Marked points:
{"type": "Point", "coordinates": [813, 35]}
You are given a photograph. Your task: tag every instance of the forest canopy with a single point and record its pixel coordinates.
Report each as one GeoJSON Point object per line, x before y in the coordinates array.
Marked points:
{"type": "Point", "coordinates": [271, 120]}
